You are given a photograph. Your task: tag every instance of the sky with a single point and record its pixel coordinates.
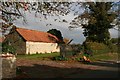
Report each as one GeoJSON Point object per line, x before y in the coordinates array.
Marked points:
{"type": "Point", "coordinates": [39, 23]}
{"type": "Point", "coordinates": [35, 24]}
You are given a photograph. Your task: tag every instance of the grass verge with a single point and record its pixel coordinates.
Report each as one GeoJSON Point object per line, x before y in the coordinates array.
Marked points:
{"type": "Point", "coordinates": [106, 56]}
{"type": "Point", "coordinates": [49, 56]}
{"type": "Point", "coordinates": [38, 56]}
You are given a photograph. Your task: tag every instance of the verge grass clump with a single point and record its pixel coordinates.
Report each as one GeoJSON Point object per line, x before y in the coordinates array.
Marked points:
{"type": "Point", "coordinates": [39, 56]}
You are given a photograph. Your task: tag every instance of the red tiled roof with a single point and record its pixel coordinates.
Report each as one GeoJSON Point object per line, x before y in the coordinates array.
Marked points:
{"type": "Point", "coordinates": [36, 36]}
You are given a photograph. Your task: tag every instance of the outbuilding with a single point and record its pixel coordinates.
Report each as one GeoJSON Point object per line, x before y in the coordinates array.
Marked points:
{"type": "Point", "coordinates": [27, 41]}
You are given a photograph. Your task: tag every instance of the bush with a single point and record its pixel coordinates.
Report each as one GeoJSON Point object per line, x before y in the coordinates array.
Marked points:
{"type": "Point", "coordinates": [113, 48]}
{"type": "Point", "coordinates": [60, 58]}
{"type": "Point", "coordinates": [77, 59]}
{"type": "Point", "coordinates": [8, 49]}
{"type": "Point", "coordinates": [97, 48]}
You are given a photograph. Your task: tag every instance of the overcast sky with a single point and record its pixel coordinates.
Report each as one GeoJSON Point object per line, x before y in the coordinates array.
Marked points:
{"type": "Point", "coordinates": [39, 23]}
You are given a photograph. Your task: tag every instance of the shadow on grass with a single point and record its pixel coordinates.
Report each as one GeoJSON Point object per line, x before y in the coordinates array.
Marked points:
{"type": "Point", "coordinates": [44, 71]}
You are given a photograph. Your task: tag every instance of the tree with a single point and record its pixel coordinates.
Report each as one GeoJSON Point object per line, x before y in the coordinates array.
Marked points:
{"type": "Point", "coordinates": [115, 40]}
{"type": "Point", "coordinates": [56, 33]}
{"type": "Point", "coordinates": [11, 11]}
{"type": "Point", "coordinates": [8, 48]}
{"type": "Point", "coordinates": [95, 19]}
{"type": "Point", "coordinates": [99, 20]}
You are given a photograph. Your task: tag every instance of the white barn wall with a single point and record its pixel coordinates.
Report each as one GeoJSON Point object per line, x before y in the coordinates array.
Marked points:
{"type": "Point", "coordinates": [41, 47]}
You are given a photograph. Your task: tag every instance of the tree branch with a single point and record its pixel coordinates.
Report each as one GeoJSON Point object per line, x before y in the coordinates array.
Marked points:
{"type": "Point", "coordinates": [10, 13]}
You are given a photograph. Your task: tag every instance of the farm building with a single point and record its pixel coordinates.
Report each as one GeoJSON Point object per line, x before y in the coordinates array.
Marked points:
{"type": "Point", "coordinates": [27, 41]}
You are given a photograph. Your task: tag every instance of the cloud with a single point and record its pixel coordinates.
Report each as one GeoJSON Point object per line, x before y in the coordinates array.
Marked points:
{"type": "Point", "coordinates": [39, 23]}
{"type": "Point", "coordinates": [114, 33]}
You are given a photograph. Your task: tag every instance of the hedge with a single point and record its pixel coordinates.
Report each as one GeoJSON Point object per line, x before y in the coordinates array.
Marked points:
{"type": "Point", "coordinates": [97, 48]}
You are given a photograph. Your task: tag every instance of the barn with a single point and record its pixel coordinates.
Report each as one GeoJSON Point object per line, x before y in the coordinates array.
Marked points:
{"type": "Point", "coordinates": [27, 41]}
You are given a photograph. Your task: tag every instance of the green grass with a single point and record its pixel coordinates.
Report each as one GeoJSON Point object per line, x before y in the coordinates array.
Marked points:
{"type": "Point", "coordinates": [48, 56]}
{"type": "Point", "coordinates": [106, 56]}
{"type": "Point", "coordinates": [38, 56]}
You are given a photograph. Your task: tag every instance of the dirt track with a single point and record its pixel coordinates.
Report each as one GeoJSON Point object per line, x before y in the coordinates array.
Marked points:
{"type": "Point", "coordinates": [57, 69]}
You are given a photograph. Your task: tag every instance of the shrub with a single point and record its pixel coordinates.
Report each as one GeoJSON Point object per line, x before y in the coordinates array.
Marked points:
{"type": "Point", "coordinates": [97, 48]}
{"type": "Point", "coordinates": [60, 58]}
{"type": "Point", "coordinates": [8, 49]}
{"type": "Point", "coordinates": [77, 59]}
{"type": "Point", "coordinates": [113, 48]}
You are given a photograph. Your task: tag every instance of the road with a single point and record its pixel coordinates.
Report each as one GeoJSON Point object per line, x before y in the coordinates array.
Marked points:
{"type": "Point", "coordinates": [67, 69]}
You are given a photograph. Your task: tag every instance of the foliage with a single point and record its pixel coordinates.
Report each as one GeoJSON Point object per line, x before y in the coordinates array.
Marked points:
{"type": "Point", "coordinates": [56, 33]}
{"type": "Point", "coordinates": [96, 18]}
{"type": "Point", "coordinates": [78, 59]}
{"type": "Point", "coordinates": [97, 48]}
{"type": "Point", "coordinates": [113, 47]}
{"type": "Point", "coordinates": [44, 8]}
{"type": "Point", "coordinates": [115, 40]}
{"type": "Point", "coordinates": [101, 48]}
{"type": "Point", "coordinates": [15, 10]}
{"type": "Point", "coordinates": [107, 57]}
{"type": "Point", "coordinates": [99, 21]}
{"type": "Point", "coordinates": [8, 48]}
{"type": "Point", "coordinates": [60, 58]}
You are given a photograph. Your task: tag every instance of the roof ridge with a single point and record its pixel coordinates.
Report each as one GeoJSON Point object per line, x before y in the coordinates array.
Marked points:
{"type": "Point", "coordinates": [30, 29]}
{"type": "Point", "coordinates": [35, 30]}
